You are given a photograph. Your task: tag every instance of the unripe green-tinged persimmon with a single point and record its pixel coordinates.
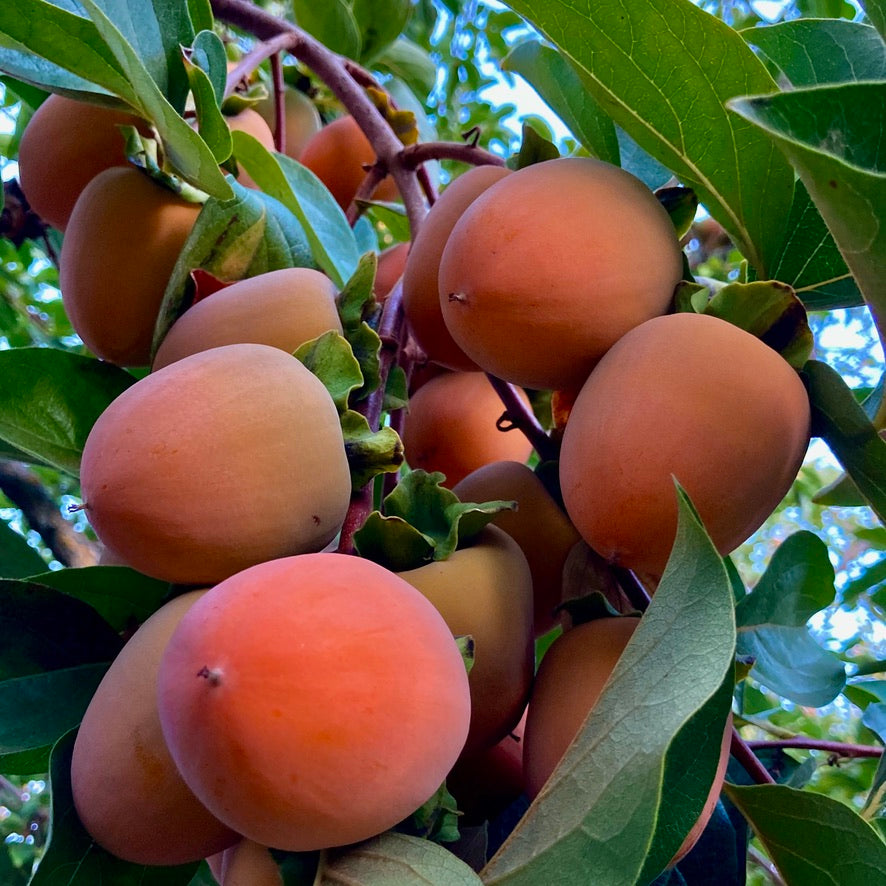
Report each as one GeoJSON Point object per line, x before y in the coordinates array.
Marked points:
{"type": "Point", "coordinates": [283, 308]}
{"type": "Point", "coordinates": [450, 426]}
{"type": "Point", "coordinates": [540, 275]}
{"type": "Point", "coordinates": [339, 155]}
{"type": "Point", "coordinates": [485, 590]}
{"type": "Point", "coordinates": [691, 397]}
{"type": "Point", "coordinates": [219, 461]}
{"type": "Point", "coordinates": [127, 790]}
{"type": "Point", "coordinates": [313, 701]}
{"type": "Point", "coordinates": [539, 525]}
{"type": "Point", "coordinates": [65, 145]}
{"type": "Point", "coordinates": [569, 682]}
{"type": "Point", "coordinates": [301, 119]}
{"type": "Point", "coordinates": [120, 246]}
{"type": "Point", "coordinates": [391, 264]}
{"type": "Point", "coordinates": [252, 123]}
{"type": "Point", "coordinates": [421, 297]}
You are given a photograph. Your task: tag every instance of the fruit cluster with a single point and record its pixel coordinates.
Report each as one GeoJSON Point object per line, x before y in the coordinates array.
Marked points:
{"type": "Point", "coordinates": [300, 699]}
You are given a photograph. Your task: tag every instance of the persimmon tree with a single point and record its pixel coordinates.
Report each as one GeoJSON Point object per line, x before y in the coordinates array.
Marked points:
{"type": "Point", "coordinates": [762, 145]}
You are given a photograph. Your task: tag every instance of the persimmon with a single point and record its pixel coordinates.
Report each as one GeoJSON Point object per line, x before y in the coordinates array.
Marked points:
{"type": "Point", "coordinates": [121, 764]}
{"type": "Point", "coordinates": [248, 863]}
{"type": "Point", "coordinates": [421, 298]}
{"type": "Point", "coordinates": [65, 145]}
{"type": "Point", "coordinates": [339, 155]}
{"type": "Point", "coordinates": [252, 123]}
{"type": "Point", "coordinates": [283, 308]}
{"type": "Point", "coordinates": [569, 682]}
{"type": "Point", "coordinates": [691, 397]}
{"type": "Point", "coordinates": [539, 525]}
{"type": "Point", "coordinates": [301, 119]}
{"type": "Point", "coordinates": [451, 426]}
{"type": "Point", "coordinates": [539, 276]}
{"type": "Point", "coordinates": [313, 701]}
{"type": "Point", "coordinates": [485, 590]}
{"type": "Point", "coordinates": [221, 460]}
{"type": "Point", "coordinates": [391, 264]}
{"type": "Point", "coordinates": [120, 246]}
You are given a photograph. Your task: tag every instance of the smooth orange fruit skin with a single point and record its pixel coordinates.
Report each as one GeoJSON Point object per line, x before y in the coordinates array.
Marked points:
{"type": "Point", "coordinates": [337, 155]}
{"type": "Point", "coordinates": [249, 864]}
{"type": "Point", "coordinates": [539, 525]}
{"type": "Point", "coordinates": [421, 298]}
{"type": "Point", "coordinates": [283, 309]}
{"type": "Point", "coordinates": [222, 460]}
{"type": "Point", "coordinates": [485, 590]}
{"type": "Point", "coordinates": [391, 264]}
{"type": "Point", "coordinates": [688, 396]}
{"type": "Point", "coordinates": [539, 277]}
{"type": "Point", "coordinates": [450, 427]}
{"type": "Point", "coordinates": [127, 791]}
{"type": "Point", "coordinates": [252, 123]}
{"type": "Point", "coordinates": [301, 120]}
{"type": "Point", "coordinates": [120, 247]}
{"type": "Point", "coordinates": [313, 701]}
{"type": "Point", "coordinates": [65, 145]}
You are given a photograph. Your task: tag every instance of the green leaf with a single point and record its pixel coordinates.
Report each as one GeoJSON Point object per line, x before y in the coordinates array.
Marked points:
{"type": "Point", "coordinates": [17, 558]}
{"type": "Point", "coordinates": [369, 452]}
{"type": "Point", "coordinates": [358, 308]}
{"type": "Point", "coordinates": [556, 81]}
{"type": "Point", "coordinates": [73, 858]}
{"type": "Point", "coordinates": [395, 860]}
{"type": "Point", "coordinates": [410, 63]}
{"type": "Point", "coordinates": [839, 419]}
{"type": "Point", "coordinates": [28, 762]}
{"type": "Point", "coordinates": [681, 205]}
{"type": "Point", "coordinates": [123, 597]}
{"type": "Point", "coordinates": [876, 13]}
{"type": "Point", "coordinates": [37, 709]}
{"type": "Point", "coordinates": [391, 215]}
{"type": "Point", "coordinates": [206, 66]}
{"type": "Point", "coordinates": [815, 51]}
{"type": "Point", "coordinates": [663, 71]}
{"type": "Point", "coordinates": [379, 23]}
{"type": "Point", "coordinates": [421, 521]}
{"type": "Point", "coordinates": [332, 22]}
{"type": "Point", "coordinates": [233, 239]}
{"type": "Point", "coordinates": [302, 193]}
{"type": "Point", "coordinates": [331, 359]}
{"type": "Point", "coordinates": [45, 630]}
{"type": "Point", "coordinates": [50, 399]}
{"type": "Point", "coordinates": [534, 148]}
{"type": "Point", "coordinates": [604, 805]}
{"type": "Point", "coordinates": [832, 136]}
{"type": "Point", "coordinates": [208, 52]}
{"type": "Point", "coordinates": [201, 14]}
{"type": "Point", "coordinates": [814, 840]}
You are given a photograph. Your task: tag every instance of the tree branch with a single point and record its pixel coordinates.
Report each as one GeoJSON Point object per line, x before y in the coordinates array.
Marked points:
{"type": "Point", "coordinates": [740, 750]}
{"type": "Point", "coordinates": [836, 748]}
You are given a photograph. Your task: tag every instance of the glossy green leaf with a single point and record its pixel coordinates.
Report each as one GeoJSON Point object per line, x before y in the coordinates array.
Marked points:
{"type": "Point", "coordinates": [814, 840]}
{"type": "Point", "coordinates": [201, 14]}
{"type": "Point", "coordinates": [815, 51]}
{"type": "Point", "coordinates": [38, 709]}
{"type": "Point", "coordinates": [832, 136]}
{"type": "Point", "coordinates": [552, 77]}
{"type": "Point", "coordinates": [234, 239]}
{"type": "Point", "coordinates": [876, 13]}
{"type": "Point", "coordinates": [28, 762]}
{"type": "Point", "coordinates": [206, 67]}
{"type": "Point", "coordinates": [411, 64]}
{"type": "Point", "coordinates": [394, 859]}
{"type": "Point", "coordinates": [379, 23]}
{"type": "Point", "coordinates": [663, 71]}
{"type": "Point", "coordinates": [391, 215]}
{"type": "Point", "coordinates": [73, 858]}
{"type": "Point", "coordinates": [332, 22]}
{"type": "Point", "coordinates": [123, 597]}
{"type": "Point", "coordinates": [331, 359]}
{"type": "Point", "coordinates": [603, 807]}
{"type": "Point", "coordinates": [843, 424]}
{"type": "Point", "coordinates": [50, 399]}
{"type": "Point", "coordinates": [44, 630]}
{"type": "Point", "coordinates": [208, 52]}
{"type": "Point", "coordinates": [369, 452]}
{"type": "Point", "coordinates": [17, 558]}
{"type": "Point", "coordinates": [299, 190]}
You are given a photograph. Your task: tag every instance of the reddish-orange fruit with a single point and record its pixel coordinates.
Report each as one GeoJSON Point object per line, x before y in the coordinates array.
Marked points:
{"type": "Point", "coordinates": [302, 121]}
{"type": "Point", "coordinates": [691, 397]}
{"type": "Point", "coordinates": [539, 525]}
{"type": "Point", "coordinates": [222, 460]}
{"type": "Point", "coordinates": [339, 155]}
{"type": "Point", "coordinates": [539, 277]}
{"type": "Point", "coordinates": [570, 680]}
{"type": "Point", "coordinates": [421, 297]}
{"type": "Point", "coordinates": [65, 145]}
{"type": "Point", "coordinates": [391, 263]}
{"type": "Point", "coordinates": [121, 243]}
{"type": "Point", "coordinates": [282, 308]}
{"type": "Point", "coordinates": [248, 864]}
{"type": "Point", "coordinates": [252, 123]}
{"type": "Point", "coordinates": [313, 701]}
{"type": "Point", "coordinates": [451, 427]}
{"type": "Point", "coordinates": [127, 791]}
{"type": "Point", "coordinates": [485, 590]}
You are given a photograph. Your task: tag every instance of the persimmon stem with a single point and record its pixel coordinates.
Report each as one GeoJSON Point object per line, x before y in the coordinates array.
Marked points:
{"type": "Point", "coordinates": [279, 103]}
{"type": "Point", "coordinates": [415, 155]}
{"type": "Point", "coordinates": [835, 748]}
{"type": "Point", "coordinates": [523, 418]}
{"type": "Point", "coordinates": [748, 759]}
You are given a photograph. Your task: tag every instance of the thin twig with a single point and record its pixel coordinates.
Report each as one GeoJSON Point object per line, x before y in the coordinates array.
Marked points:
{"type": "Point", "coordinates": [740, 750]}
{"type": "Point", "coordinates": [521, 417]}
{"type": "Point", "coordinates": [771, 870]}
{"type": "Point", "coordinates": [415, 155]}
{"type": "Point", "coordinates": [838, 748]}
{"type": "Point", "coordinates": [279, 103]}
